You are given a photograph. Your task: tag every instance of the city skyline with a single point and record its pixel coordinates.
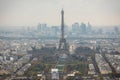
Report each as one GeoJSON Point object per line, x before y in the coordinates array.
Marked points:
{"type": "Point", "coordinates": [30, 13]}
{"type": "Point", "coordinates": [59, 40]}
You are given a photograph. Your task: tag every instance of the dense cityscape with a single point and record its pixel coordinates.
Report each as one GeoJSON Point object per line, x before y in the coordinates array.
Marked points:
{"type": "Point", "coordinates": [59, 39]}
{"type": "Point", "coordinates": [60, 53]}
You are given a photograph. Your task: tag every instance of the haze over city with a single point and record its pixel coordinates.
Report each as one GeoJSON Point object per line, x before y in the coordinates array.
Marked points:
{"type": "Point", "coordinates": [59, 40]}
{"type": "Point", "coordinates": [32, 12]}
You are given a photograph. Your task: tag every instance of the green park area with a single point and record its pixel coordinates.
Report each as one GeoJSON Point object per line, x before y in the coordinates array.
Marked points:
{"type": "Point", "coordinates": [81, 67]}
{"type": "Point", "coordinates": [60, 68]}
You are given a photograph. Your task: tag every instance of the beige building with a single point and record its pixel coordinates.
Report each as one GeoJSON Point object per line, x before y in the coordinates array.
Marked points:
{"type": "Point", "coordinates": [72, 48]}
{"type": "Point", "coordinates": [117, 49]}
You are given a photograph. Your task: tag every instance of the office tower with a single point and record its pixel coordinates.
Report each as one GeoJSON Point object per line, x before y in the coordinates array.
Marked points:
{"type": "Point", "coordinates": [83, 28]}
{"type": "Point", "coordinates": [89, 28]}
{"type": "Point", "coordinates": [116, 30]}
{"type": "Point", "coordinates": [75, 27]}
{"type": "Point", "coordinates": [42, 27]}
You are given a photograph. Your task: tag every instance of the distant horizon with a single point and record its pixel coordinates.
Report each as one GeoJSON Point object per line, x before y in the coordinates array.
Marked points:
{"type": "Point", "coordinates": [48, 25]}
{"type": "Point", "coordinates": [32, 12]}
{"type": "Point", "coordinates": [12, 28]}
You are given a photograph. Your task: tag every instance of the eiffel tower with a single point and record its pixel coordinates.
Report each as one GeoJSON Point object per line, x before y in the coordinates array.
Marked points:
{"type": "Point", "coordinates": [62, 41]}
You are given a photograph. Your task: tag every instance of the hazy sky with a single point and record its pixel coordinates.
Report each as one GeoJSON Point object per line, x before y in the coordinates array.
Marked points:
{"type": "Point", "coordinates": [32, 12]}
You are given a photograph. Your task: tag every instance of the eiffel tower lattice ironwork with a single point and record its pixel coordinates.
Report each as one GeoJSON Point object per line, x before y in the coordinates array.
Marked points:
{"type": "Point", "coordinates": [62, 42]}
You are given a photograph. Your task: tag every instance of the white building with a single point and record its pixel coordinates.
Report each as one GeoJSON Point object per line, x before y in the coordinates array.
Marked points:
{"type": "Point", "coordinates": [55, 74]}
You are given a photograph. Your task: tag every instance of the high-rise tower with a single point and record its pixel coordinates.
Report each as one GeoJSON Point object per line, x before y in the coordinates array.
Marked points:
{"type": "Point", "coordinates": [62, 42]}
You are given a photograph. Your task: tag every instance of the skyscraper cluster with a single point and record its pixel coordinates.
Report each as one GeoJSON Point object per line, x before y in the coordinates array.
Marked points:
{"type": "Point", "coordinates": [81, 28]}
